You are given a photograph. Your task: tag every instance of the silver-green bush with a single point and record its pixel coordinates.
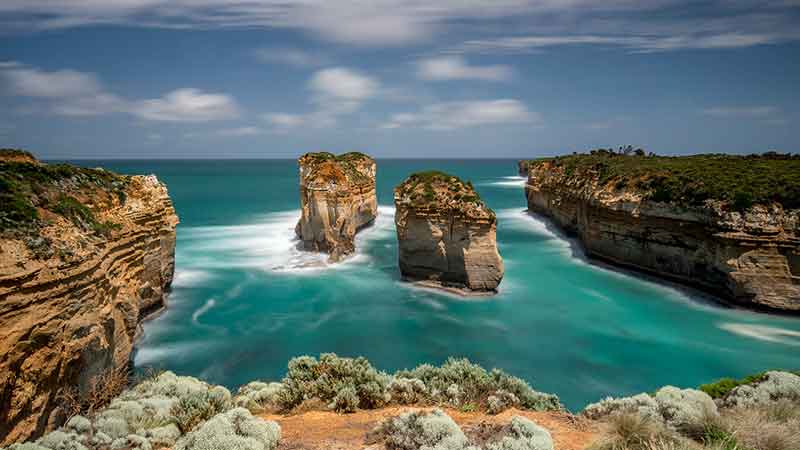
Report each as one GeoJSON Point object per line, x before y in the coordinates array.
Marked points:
{"type": "Point", "coordinates": [680, 409]}
{"type": "Point", "coordinates": [423, 431]}
{"type": "Point", "coordinates": [257, 396]}
{"type": "Point", "coordinates": [773, 386]}
{"type": "Point", "coordinates": [236, 429]}
{"type": "Point", "coordinates": [523, 434]}
{"type": "Point", "coordinates": [308, 378]}
{"type": "Point", "coordinates": [500, 401]}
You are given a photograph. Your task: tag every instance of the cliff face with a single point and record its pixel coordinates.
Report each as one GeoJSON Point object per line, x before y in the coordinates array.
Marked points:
{"type": "Point", "coordinates": [337, 198]}
{"type": "Point", "coordinates": [77, 276]}
{"type": "Point", "coordinates": [522, 167]}
{"type": "Point", "coordinates": [749, 257]}
{"type": "Point", "coordinates": [446, 234]}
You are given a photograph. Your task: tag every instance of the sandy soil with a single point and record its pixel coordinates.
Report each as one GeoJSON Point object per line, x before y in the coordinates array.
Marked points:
{"type": "Point", "coordinates": [314, 430]}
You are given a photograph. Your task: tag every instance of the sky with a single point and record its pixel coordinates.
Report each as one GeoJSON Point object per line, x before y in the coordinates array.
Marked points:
{"type": "Point", "coordinates": [397, 78]}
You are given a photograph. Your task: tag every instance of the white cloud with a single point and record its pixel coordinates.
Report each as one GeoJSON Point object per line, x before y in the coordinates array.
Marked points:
{"type": "Point", "coordinates": [284, 120]}
{"type": "Point", "coordinates": [456, 68]}
{"type": "Point", "coordinates": [741, 111]}
{"type": "Point", "coordinates": [187, 105]}
{"type": "Point", "coordinates": [239, 131]}
{"type": "Point", "coordinates": [290, 56]}
{"type": "Point", "coordinates": [453, 115]}
{"type": "Point", "coordinates": [633, 43]}
{"type": "Point", "coordinates": [31, 82]}
{"type": "Point", "coordinates": [343, 84]}
{"type": "Point", "coordinates": [335, 92]}
{"type": "Point", "coordinates": [73, 93]}
{"type": "Point", "coordinates": [667, 23]}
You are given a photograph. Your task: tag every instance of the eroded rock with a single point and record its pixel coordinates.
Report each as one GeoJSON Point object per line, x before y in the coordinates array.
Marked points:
{"type": "Point", "coordinates": [749, 257]}
{"type": "Point", "coordinates": [77, 277]}
{"type": "Point", "coordinates": [446, 234]}
{"type": "Point", "coordinates": [337, 199]}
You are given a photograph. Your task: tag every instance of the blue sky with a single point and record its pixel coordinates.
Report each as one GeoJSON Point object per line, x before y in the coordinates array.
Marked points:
{"type": "Point", "coordinates": [452, 78]}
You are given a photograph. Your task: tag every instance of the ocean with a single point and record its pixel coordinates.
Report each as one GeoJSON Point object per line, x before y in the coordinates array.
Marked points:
{"type": "Point", "coordinates": [242, 305]}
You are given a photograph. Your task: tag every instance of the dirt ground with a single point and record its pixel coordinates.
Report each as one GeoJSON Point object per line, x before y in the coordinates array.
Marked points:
{"type": "Point", "coordinates": [313, 430]}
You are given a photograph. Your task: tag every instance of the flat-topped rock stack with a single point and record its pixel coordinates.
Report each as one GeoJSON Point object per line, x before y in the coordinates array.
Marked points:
{"type": "Point", "coordinates": [337, 198]}
{"type": "Point", "coordinates": [446, 234]}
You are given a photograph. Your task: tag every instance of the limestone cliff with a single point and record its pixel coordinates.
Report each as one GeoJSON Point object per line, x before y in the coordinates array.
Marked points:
{"type": "Point", "coordinates": [446, 234]}
{"type": "Point", "coordinates": [522, 167]}
{"type": "Point", "coordinates": [86, 255]}
{"type": "Point", "coordinates": [337, 198]}
{"type": "Point", "coordinates": [647, 215]}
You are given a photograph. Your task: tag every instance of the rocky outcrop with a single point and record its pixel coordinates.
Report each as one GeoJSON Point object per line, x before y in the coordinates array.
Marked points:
{"type": "Point", "coordinates": [446, 234]}
{"type": "Point", "coordinates": [337, 199]}
{"type": "Point", "coordinates": [93, 256]}
{"type": "Point", "coordinates": [749, 257]}
{"type": "Point", "coordinates": [522, 167]}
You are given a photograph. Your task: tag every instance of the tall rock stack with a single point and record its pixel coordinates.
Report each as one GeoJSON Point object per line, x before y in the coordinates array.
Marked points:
{"type": "Point", "coordinates": [446, 235]}
{"type": "Point", "coordinates": [86, 255]}
{"type": "Point", "coordinates": [337, 199]}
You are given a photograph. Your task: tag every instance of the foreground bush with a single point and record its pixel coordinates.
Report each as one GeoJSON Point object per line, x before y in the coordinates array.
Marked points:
{"type": "Point", "coordinates": [345, 384]}
{"type": "Point", "coordinates": [236, 429]}
{"type": "Point", "coordinates": [760, 412]}
{"type": "Point", "coordinates": [766, 389]}
{"type": "Point", "coordinates": [435, 430]}
{"type": "Point", "coordinates": [686, 410]}
{"type": "Point", "coordinates": [151, 415]}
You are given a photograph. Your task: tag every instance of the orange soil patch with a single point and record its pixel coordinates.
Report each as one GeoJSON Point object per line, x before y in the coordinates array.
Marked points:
{"type": "Point", "coordinates": [328, 430]}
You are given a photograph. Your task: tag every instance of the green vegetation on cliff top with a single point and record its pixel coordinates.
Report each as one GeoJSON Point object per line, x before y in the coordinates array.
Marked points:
{"type": "Point", "coordinates": [741, 181]}
{"type": "Point", "coordinates": [350, 162]}
{"type": "Point", "coordinates": [422, 188]}
{"type": "Point", "coordinates": [28, 186]}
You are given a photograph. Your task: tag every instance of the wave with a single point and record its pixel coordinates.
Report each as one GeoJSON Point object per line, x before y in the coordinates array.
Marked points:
{"type": "Point", "coordinates": [185, 278]}
{"type": "Point", "coordinates": [269, 243]}
{"type": "Point", "coordinates": [507, 182]}
{"type": "Point", "coordinates": [203, 309]}
{"type": "Point", "coordinates": [763, 333]}
{"type": "Point", "coordinates": [572, 250]}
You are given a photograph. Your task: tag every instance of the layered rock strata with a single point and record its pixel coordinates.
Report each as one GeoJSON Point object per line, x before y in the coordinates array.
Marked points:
{"type": "Point", "coordinates": [86, 255]}
{"type": "Point", "coordinates": [337, 199]}
{"type": "Point", "coordinates": [749, 257]}
{"type": "Point", "coordinates": [446, 234]}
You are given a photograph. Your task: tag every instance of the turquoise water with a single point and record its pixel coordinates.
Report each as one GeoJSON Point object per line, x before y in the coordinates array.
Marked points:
{"type": "Point", "coordinates": [240, 307]}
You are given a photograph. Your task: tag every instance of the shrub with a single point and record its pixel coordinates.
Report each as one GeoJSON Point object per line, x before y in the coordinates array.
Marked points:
{"type": "Point", "coordinates": [754, 429]}
{"type": "Point", "coordinates": [60, 440]}
{"type": "Point", "coordinates": [131, 442]}
{"type": "Point", "coordinates": [474, 383]}
{"type": "Point", "coordinates": [236, 429]}
{"type": "Point", "coordinates": [257, 396]}
{"type": "Point", "coordinates": [195, 408]}
{"type": "Point", "coordinates": [346, 400]}
{"type": "Point", "coordinates": [773, 386]}
{"type": "Point", "coordinates": [686, 410]}
{"type": "Point", "coordinates": [406, 391]}
{"type": "Point", "coordinates": [434, 430]}
{"type": "Point", "coordinates": [723, 386]}
{"type": "Point", "coordinates": [324, 379]}
{"type": "Point", "coordinates": [523, 434]}
{"type": "Point", "coordinates": [500, 401]}
{"type": "Point", "coordinates": [641, 404]}
{"type": "Point", "coordinates": [631, 431]}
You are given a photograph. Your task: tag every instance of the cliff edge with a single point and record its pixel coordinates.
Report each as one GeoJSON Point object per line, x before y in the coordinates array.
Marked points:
{"type": "Point", "coordinates": [446, 234]}
{"type": "Point", "coordinates": [337, 198]}
{"type": "Point", "coordinates": [86, 254]}
{"type": "Point", "coordinates": [729, 225]}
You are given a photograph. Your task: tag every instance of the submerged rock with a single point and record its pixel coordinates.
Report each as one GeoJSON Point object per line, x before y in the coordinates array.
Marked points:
{"type": "Point", "coordinates": [337, 198]}
{"type": "Point", "coordinates": [446, 234]}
